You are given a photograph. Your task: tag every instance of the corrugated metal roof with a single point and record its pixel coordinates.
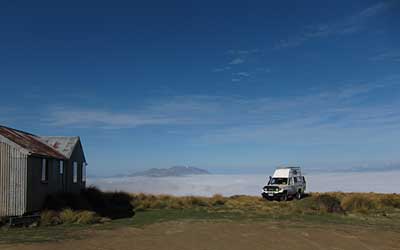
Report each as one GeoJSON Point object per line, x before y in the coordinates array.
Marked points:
{"type": "Point", "coordinates": [30, 142]}
{"type": "Point", "coordinates": [63, 144]}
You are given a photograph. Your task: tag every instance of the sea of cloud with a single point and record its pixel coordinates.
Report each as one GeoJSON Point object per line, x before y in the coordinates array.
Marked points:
{"type": "Point", "coordinates": [208, 185]}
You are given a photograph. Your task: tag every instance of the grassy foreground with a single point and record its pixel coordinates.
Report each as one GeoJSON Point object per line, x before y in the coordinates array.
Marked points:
{"type": "Point", "coordinates": [381, 211]}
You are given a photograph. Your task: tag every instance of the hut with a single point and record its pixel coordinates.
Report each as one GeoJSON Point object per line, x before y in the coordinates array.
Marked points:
{"type": "Point", "coordinates": [33, 167]}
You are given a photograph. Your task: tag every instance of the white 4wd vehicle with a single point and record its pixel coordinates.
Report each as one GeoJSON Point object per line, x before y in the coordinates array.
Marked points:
{"type": "Point", "coordinates": [287, 182]}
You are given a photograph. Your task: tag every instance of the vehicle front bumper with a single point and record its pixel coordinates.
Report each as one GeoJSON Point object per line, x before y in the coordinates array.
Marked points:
{"type": "Point", "coordinates": [272, 196]}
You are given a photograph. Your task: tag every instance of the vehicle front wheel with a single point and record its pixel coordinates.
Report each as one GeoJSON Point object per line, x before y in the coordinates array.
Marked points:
{"type": "Point", "coordinates": [299, 195]}
{"type": "Point", "coordinates": [284, 197]}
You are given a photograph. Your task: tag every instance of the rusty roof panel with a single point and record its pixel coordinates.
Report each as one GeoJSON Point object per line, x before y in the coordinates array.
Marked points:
{"type": "Point", "coordinates": [30, 142]}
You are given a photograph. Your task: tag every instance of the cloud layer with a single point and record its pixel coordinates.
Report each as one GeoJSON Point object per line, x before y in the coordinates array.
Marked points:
{"type": "Point", "coordinates": [208, 185]}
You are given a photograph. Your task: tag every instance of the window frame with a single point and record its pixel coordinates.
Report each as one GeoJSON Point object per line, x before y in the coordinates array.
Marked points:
{"type": "Point", "coordinates": [61, 167]}
{"type": "Point", "coordinates": [83, 172]}
{"type": "Point", "coordinates": [75, 172]}
{"type": "Point", "coordinates": [44, 178]}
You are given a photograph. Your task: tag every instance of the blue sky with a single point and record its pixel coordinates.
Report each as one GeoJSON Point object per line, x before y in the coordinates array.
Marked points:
{"type": "Point", "coordinates": [230, 86]}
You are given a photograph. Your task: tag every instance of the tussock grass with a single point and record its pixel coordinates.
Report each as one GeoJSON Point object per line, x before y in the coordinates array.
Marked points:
{"type": "Point", "coordinates": [315, 203]}
{"type": "Point", "coordinates": [68, 216]}
{"type": "Point", "coordinates": [92, 205]}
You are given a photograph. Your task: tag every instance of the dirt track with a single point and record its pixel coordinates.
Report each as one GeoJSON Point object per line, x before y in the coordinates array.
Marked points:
{"type": "Point", "coordinates": [228, 235]}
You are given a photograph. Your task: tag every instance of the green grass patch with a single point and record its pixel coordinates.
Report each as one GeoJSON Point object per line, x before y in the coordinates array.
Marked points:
{"type": "Point", "coordinates": [381, 211]}
{"type": "Point", "coordinates": [148, 217]}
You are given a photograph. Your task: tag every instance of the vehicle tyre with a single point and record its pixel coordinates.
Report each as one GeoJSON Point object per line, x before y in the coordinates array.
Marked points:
{"type": "Point", "coordinates": [299, 195]}
{"type": "Point", "coordinates": [284, 197]}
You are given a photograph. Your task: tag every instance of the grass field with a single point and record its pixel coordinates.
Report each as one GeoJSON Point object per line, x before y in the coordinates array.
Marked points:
{"type": "Point", "coordinates": [375, 211]}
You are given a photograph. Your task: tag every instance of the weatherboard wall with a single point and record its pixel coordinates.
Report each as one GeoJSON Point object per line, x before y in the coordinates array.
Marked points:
{"type": "Point", "coordinates": [13, 179]}
{"type": "Point", "coordinates": [77, 156]}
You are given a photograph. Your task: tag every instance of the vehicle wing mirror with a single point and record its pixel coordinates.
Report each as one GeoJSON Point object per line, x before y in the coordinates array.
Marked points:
{"type": "Point", "coordinates": [269, 181]}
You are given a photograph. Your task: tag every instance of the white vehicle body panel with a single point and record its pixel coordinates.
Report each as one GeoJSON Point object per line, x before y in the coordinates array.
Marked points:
{"type": "Point", "coordinates": [281, 173]}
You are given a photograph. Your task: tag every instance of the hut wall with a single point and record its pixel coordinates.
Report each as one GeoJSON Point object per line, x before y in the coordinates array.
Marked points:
{"type": "Point", "coordinates": [13, 180]}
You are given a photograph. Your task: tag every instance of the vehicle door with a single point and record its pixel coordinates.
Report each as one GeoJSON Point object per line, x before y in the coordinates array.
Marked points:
{"type": "Point", "coordinates": [292, 186]}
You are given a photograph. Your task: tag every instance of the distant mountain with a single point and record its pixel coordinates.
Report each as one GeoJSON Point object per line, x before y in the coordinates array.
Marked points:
{"type": "Point", "coordinates": [172, 171]}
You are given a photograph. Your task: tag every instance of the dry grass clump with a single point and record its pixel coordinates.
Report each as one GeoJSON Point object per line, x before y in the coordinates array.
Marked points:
{"type": "Point", "coordinates": [143, 202]}
{"type": "Point", "coordinates": [315, 203]}
{"type": "Point", "coordinates": [68, 216]}
{"type": "Point", "coordinates": [87, 217]}
{"type": "Point", "coordinates": [49, 218]}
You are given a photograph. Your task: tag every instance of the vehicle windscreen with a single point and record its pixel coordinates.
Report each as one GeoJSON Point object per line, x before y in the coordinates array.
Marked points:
{"type": "Point", "coordinates": [279, 181]}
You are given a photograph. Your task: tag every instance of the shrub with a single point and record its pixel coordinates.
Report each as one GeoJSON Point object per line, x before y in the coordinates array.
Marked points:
{"type": "Point", "coordinates": [390, 200]}
{"type": "Point", "coordinates": [329, 203]}
{"type": "Point", "coordinates": [322, 203]}
{"type": "Point", "coordinates": [359, 203]}
{"type": "Point", "coordinates": [113, 205]}
{"type": "Point", "coordinates": [60, 201]}
{"type": "Point", "coordinates": [218, 200]}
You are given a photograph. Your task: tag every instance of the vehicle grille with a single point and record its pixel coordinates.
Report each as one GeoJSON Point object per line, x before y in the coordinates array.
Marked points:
{"type": "Point", "coordinates": [269, 188]}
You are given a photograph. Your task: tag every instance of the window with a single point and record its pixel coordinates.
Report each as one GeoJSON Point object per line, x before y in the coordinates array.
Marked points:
{"type": "Point", "coordinates": [61, 167]}
{"type": "Point", "coordinates": [84, 165]}
{"type": "Point", "coordinates": [45, 174]}
{"type": "Point", "coordinates": [295, 180]}
{"type": "Point", "coordinates": [75, 172]}
{"type": "Point", "coordinates": [278, 181]}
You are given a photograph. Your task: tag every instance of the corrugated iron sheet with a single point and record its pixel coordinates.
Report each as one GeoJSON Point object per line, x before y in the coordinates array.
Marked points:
{"type": "Point", "coordinates": [31, 143]}
{"type": "Point", "coordinates": [13, 180]}
{"type": "Point", "coordinates": [63, 144]}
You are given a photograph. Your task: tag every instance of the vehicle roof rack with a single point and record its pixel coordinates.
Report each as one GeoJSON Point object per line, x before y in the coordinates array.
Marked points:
{"type": "Point", "coordinates": [288, 167]}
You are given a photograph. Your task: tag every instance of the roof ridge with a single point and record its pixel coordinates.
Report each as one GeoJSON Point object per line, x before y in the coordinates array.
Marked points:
{"type": "Point", "coordinates": [30, 142]}
{"type": "Point", "coordinates": [50, 136]}
{"type": "Point", "coordinates": [20, 131]}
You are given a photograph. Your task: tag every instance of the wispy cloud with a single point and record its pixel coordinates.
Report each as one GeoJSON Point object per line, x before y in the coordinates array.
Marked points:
{"type": "Point", "coordinates": [102, 119]}
{"type": "Point", "coordinates": [224, 117]}
{"type": "Point", "coordinates": [236, 61]}
{"type": "Point", "coordinates": [242, 74]}
{"type": "Point", "coordinates": [222, 69]}
{"type": "Point", "coordinates": [261, 69]}
{"type": "Point", "coordinates": [239, 76]}
{"type": "Point", "coordinates": [387, 56]}
{"type": "Point", "coordinates": [244, 52]}
{"type": "Point", "coordinates": [348, 25]}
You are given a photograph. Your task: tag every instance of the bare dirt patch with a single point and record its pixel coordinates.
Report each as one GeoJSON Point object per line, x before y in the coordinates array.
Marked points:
{"type": "Point", "coordinates": [212, 235]}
